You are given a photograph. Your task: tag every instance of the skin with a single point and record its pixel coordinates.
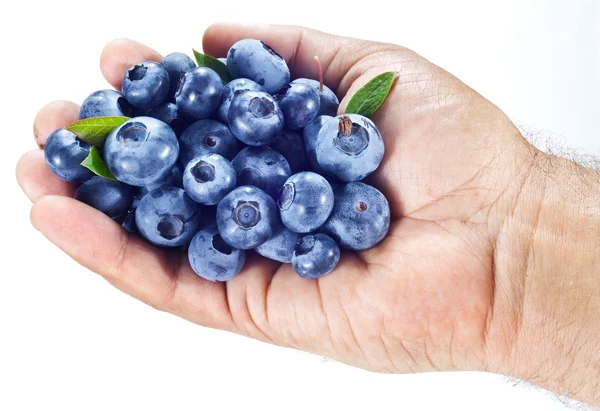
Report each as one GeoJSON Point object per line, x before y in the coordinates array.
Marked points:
{"type": "Point", "coordinates": [491, 262]}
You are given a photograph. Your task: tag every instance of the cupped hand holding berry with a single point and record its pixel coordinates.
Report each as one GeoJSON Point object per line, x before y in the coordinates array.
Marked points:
{"type": "Point", "coordinates": [443, 291]}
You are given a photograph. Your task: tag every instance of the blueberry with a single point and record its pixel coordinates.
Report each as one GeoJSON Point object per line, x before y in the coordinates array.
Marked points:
{"type": "Point", "coordinates": [212, 258]}
{"type": "Point", "coordinates": [256, 61]}
{"type": "Point", "coordinates": [255, 118]}
{"type": "Point", "coordinates": [176, 64]}
{"type": "Point", "coordinates": [315, 256]}
{"type": "Point", "coordinates": [141, 151]}
{"type": "Point", "coordinates": [310, 134]}
{"type": "Point", "coordinates": [280, 247]}
{"type": "Point", "coordinates": [146, 85]}
{"type": "Point", "coordinates": [300, 105]}
{"type": "Point", "coordinates": [199, 93]}
{"type": "Point", "coordinates": [305, 202]}
{"type": "Point", "coordinates": [240, 84]}
{"type": "Point", "coordinates": [329, 101]}
{"type": "Point", "coordinates": [246, 217]}
{"type": "Point", "coordinates": [207, 137]}
{"type": "Point", "coordinates": [261, 167]}
{"type": "Point", "coordinates": [64, 153]}
{"type": "Point", "coordinates": [349, 148]}
{"type": "Point", "coordinates": [360, 218]}
{"type": "Point", "coordinates": [167, 217]}
{"type": "Point", "coordinates": [208, 178]}
{"type": "Point", "coordinates": [170, 114]}
{"type": "Point", "coordinates": [105, 103]}
{"type": "Point", "coordinates": [113, 198]}
{"type": "Point", "coordinates": [223, 60]}
{"type": "Point", "coordinates": [290, 144]}
{"type": "Point", "coordinates": [172, 178]}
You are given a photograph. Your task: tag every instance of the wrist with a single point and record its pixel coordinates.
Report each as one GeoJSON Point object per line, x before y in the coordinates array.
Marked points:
{"type": "Point", "coordinates": [549, 263]}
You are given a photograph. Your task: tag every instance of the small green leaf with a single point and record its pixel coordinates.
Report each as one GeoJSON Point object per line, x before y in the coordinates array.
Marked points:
{"type": "Point", "coordinates": [95, 163]}
{"type": "Point", "coordinates": [371, 96]}
{"type": "Point", "coordinates": [94, 130]}
{"type": "Point", "coordinates": [212, 63]}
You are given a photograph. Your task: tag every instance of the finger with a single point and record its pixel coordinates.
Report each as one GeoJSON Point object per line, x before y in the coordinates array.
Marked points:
{"type": "Point", "coordinates": [55, 115]}
{"type": "Point", "coordinates": [298, 46]}
{"type": "Point", "coordinates": [159, 277]}
{"type": "Point", "coordinates": [119, 55]}
{"type": "Point", "coordinates": [36, 179]}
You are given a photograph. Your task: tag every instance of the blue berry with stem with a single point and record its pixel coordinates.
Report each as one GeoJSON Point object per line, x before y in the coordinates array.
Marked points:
{"type": "Point", "coordinates": [349, 148]}
{"type": "Point", "coordinates": [299, 103]}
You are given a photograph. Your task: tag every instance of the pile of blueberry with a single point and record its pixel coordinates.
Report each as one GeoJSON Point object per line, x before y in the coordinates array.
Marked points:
{"type": "Point", "coordinates": [260, 163]}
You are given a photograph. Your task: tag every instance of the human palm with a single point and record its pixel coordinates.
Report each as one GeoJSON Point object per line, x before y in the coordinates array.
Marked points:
{"type": "Point", "coordinates": [425, 298]}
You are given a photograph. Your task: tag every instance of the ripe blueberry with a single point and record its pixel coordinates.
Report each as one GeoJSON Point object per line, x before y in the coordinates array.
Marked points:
{"type": "Point", "coordinates": [329, 101]}
{"type": "Point", "coordinates": [113, 198]}
{"type": "Point", "coordinates": [212, 258]}
{"type": "Point", "coordinates": [207, 137]}
{"type": "Point", "coordinates": [246, 217]}
{"type": "Point", "coordinates": [254, 117]}
{"type": "Point", "coordinates": [290, 144]}
{"type": "Point", "coordinates": [199, 92]}
{"type": "Point", "coordinates": [360, 218]}
{"type": "Point", "coordinates": [315, 256]}
{"type": "Point", "coordinates": [141, 151]}
{"type": "Point", "coordinates": [299, 103]}
{"type": "Point", "coordinates": [237, 85]}
{"type": "Point", "coordinates": [105, 103]}
{"type": "Point", "coordinates": [305, 202]}
{"type": "Point", "coordinates": [280, 247]}
{"type": "Point", "coordinates": [208, 178]}
{"type": "Point", "coordinates": [176, 64]}
{"type": "Point", "coordinates": [64, 153]}
{"type": "Point", "coordinates": [170, 114]}
{"type": "Point", "coordinates": [349, 148]}
{"type": "Point", "coordinates": [256, 61]}
{"type": "Point", "coordinates": [261, 167]}
{"type": "Point", "coordinates": [167, 217]}
{"type": "Point", "coordinates": [146, 85]}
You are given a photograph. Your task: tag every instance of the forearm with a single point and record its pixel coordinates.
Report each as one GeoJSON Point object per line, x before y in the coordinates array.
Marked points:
{"type": "Point", "coordinates": [554, 266]}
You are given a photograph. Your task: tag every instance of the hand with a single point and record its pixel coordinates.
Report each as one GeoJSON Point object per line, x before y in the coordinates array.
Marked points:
{"type": "Point", "coordinates": [441, 292]}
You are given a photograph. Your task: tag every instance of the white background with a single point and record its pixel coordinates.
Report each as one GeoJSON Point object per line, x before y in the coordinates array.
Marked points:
{"type": "Point", "coordinates": [71, 342]}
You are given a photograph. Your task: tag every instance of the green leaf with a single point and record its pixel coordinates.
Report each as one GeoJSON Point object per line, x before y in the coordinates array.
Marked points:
{"type": "Point", "coordinates": [212, 63]}
{"type": "Point", "coordinates": [371, 96]}
{"type": "Point", "coordinates": [94, 130]}
{"type": "Point", "coordinates": [95, 163]}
